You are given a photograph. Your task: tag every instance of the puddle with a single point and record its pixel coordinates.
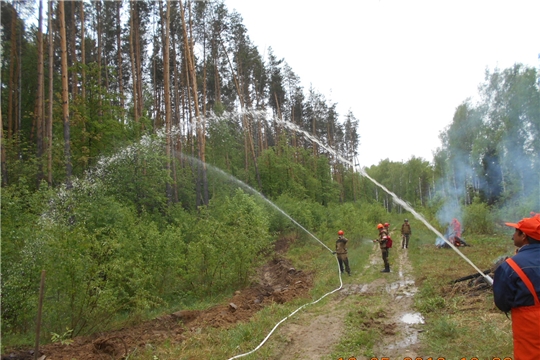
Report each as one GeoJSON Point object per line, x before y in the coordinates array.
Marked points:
{"type": "Point", "coordinates": [410, 339]}
{"type": "Point", "coordinates": [349, 289]}
{"type": "Point", "coordinates": [412, 318]}
{"type": "Point", "coordinates": [403, 288]}
{"type": "Point", "coordinates": [410, 333]}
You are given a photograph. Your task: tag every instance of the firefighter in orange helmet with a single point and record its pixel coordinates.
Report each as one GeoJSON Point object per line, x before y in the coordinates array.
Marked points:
{"type": "Point", "coordinates": [341, 251]}
{"type": "Point", "coordinates": [516, 288]}
{"type": "Point", "coordinates": [382, 240]}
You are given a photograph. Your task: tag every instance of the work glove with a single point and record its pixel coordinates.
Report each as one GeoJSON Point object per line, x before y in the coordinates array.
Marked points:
{"type": "Point", "coordinates": [333, 253]}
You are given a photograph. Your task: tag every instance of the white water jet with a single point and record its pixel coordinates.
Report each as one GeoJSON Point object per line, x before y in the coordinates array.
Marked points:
{"type": "Point", "coordinates": [147, 141]}
{"type": "Point", "coordinates": [362, 172]}
{"type": "Point", "coordinates": [252, 190]}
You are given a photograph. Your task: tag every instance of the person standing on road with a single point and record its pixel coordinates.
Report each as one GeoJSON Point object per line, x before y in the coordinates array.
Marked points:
{"type": "Point", "coordinates": [516, 288]}
{"type": "Point", "coordinates": [382, 240]}
{"type": "Point", "coordinates": [341, 251]}
{"type": "Point", "coordinates": [406, 233]}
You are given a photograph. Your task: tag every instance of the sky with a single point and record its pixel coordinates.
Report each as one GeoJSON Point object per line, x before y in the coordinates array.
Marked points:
{"type": "Point", "coordinates": [401, 66]}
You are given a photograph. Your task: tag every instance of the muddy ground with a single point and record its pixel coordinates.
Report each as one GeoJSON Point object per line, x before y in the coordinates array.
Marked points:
{"type": "Point", "coordinates": [311, 334]}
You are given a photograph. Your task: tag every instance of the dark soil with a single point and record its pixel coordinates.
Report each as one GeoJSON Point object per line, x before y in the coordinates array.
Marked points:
{"type": "Point", "coordinates": [277, 282]}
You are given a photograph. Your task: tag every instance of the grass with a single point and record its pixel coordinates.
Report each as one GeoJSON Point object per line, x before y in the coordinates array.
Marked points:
{"type": "Point", "coordinates": [360, 336]}
{"type": "Point", "coordinates": [244, 337]}
{"type": "Point", "coordinates": [459, 323]}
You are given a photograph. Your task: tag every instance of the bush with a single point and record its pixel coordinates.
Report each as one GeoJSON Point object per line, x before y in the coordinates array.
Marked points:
{"type": "Point", "coordinates": [225, 245]}
{"type": "Point", "coordinates": [477, 218]}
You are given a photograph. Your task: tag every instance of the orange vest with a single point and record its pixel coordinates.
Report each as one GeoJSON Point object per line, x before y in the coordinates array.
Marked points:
{"type": "Point", "coordinates": [526, 322]}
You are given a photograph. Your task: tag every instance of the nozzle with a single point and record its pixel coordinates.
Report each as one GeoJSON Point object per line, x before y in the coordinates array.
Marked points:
{"type": "Point", "coordinates": [489, 279]}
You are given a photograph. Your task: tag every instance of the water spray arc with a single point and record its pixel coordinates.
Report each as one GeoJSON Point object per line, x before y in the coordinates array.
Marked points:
{"type": "Point", "coordinates": [396, 199]}
{"type": "Point", "coordinates": [107, 163]}
{"type": "Point", "coordinates": [244, 185]}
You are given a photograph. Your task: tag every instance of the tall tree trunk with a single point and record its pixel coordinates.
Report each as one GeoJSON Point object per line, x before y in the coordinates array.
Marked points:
{"type": "Point", "coordinates": [177, 101]}
{"type": "Point", "coordinates": [138, 60]}
{"type": "Point", "coordinates": [202, 197]}
{"type": "Point", "coordinates": [248, 141]}
{"type": "Point", "coordinates": [65, 98]}
{"type": "Point", "coordinates": [187, 104]}
{"type": "Point", "coordinates": [119, 51]}
{"type": "Point", "coordinates": [39, 108]}
{"type": "Point", "coordinates": [83, 53]}
{"type": "Point", "coordinates": [134, 72]}
{"type": "Point", "coordinates": [177, 139]}
{"type": "Point", "coordinates": [83, 73]}
{"type": "Point", "coordinates": [217, 86]}
{"type": "Point", "coordinates": [167, 92]}
{"type": "Point", "coordinates": [3, 167]}
{"type": "Point", "coordinates": [73, 58]}
{"type": "Point", "coordinates": [50, 108]}
{"type": "Point", "coordinates": [277, 126]}
{"type": "Point", "coordinates": [157, 93]}
{"type": "Point", "coordinates": [99, 50]}
{"type": "Point", "coordinates": [12, 124]}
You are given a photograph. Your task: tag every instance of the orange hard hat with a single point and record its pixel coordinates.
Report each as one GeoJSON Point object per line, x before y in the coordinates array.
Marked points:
{"type": "Point", "coordinates": [380, 226]}
{"type": "Point", "coordinates": [340, 232]}
{"type": "Point", "coordinates": [529, 226]}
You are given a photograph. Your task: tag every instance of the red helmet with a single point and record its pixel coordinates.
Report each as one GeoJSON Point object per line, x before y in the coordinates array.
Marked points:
{"type": "Point", "coordinates": [380, 226]}
{"type": "Point", "coordinates": [386, 225]}
{"type": "Point", "coordinates": [340, 232]}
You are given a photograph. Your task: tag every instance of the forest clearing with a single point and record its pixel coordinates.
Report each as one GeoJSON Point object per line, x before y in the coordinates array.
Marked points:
{"type": "Point", "coordinates": [376, 315]}
{"type": "Point", "coordinates": [180, 192]}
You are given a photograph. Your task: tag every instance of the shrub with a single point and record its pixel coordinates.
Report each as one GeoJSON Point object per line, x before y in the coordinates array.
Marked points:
{"type": "Point", "coordinates": [478, 218]}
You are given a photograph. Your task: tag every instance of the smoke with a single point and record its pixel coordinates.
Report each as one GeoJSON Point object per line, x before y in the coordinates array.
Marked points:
{"type": "Point", "coordinates": [491, 150]}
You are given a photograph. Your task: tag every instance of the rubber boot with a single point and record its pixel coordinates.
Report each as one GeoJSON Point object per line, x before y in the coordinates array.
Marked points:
{"type": "Point", "coordinates": [386, 268]}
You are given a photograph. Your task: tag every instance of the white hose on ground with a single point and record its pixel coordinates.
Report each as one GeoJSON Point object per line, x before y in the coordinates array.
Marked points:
{"type": "Point", "coordinates": [292, 126]}
{"type": "Point", "coordinates": [291, 314]}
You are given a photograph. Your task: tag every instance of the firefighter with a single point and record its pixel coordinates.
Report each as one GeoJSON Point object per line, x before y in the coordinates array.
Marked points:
{"type": "Point", "coordinates": [387, 228]}
{"type": "Point", "coordinates": [406, 233]}
{"type": "Point", "coordinates": [341, 251]}
{"type": "Point", "coordinates": [516, 288]}
{"type": "Point", "coordinates": [382, 240]}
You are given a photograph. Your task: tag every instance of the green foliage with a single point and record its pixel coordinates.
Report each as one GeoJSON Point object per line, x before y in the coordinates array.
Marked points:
{"type": "Point", "coordinates": [299, 210]}
{"type": "Point", "coordinates": [137, 175]}
{"type": "Point", "coordinates": [489, 150]}
{"type": "Point", "coordinates": [64, 339]}
{"type": "Point", "coordinates": [225, 245]}
{"type": "Point", "coordinates": [117, 244]}
{"type": "Point", "coordinates": [95, 129]}
{"type": "Point", "coordinates": [478, 218]}
{"type": "Point", "coordinates": [104, 258]}
{"type": "Point", "coordinates": [224, 148]}
{"type": "Point", "coordinates": [20, 208]}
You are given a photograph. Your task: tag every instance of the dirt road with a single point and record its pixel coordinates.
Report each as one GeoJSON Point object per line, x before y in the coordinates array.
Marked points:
{"type": "Point", "coordinates": [313, 333]}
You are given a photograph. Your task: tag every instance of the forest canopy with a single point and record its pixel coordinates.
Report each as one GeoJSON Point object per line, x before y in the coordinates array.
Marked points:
{"type": "Point", "coordinates": [140, 139]}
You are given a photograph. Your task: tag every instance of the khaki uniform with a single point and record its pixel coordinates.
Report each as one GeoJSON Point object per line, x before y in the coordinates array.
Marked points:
{"type": "Point", "coordinates": [405, 235]}
{"type": "Point", "coordinates": [383, 235]}
{"type": "Point", "coordinates": [341, 251]}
